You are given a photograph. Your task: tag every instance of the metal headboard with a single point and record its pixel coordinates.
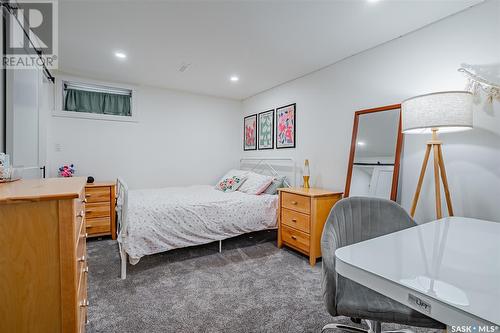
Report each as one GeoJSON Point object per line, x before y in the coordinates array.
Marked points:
{"type": "Point", "coordinates": [271, 164]}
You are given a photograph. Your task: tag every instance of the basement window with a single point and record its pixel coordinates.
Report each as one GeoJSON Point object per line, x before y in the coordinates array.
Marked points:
{"type": "Point", "coordinates": [91, 99]}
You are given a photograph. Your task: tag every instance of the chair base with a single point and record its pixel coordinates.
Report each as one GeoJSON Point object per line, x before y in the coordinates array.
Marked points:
{"type": "Point", "coordinates": [373, 327]}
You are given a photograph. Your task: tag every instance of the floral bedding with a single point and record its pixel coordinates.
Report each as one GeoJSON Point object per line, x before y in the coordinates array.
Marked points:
{"type": "Point", "coordinates": [159, 220]}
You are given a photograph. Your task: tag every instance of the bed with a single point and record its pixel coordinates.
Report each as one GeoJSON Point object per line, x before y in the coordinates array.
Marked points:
{"type": "Point", "coordinates": [157, 220]}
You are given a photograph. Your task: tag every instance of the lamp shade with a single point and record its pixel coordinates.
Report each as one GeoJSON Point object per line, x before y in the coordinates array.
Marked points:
{"type": "Point", "coordinates": [447, 111]}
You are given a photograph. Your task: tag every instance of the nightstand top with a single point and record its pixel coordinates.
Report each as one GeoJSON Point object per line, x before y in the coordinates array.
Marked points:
{"type": "Point", "coordinates": [311, 192]}
{"type": "Point", "coordinates": [98, 184]}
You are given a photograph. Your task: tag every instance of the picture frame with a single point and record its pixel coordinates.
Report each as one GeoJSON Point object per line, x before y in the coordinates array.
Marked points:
{"type": "Point", "coordinates": [265, 124]}
{"type": "Point", "coordinates": [286, 126]}
{"type": "Point", "coordinates": [250, 132]}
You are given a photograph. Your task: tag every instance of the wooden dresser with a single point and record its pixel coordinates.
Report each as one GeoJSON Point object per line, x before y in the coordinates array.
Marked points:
{"type": "Point", "coordinates": [302, 215]}
{"type": "Point", "coordinates": [43, 261]}
{"type": "Point", "coordinates": [100, 209]}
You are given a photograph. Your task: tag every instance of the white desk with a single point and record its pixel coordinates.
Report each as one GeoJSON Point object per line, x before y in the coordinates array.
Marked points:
{"type": "Point", "coordinates": [447, 269]}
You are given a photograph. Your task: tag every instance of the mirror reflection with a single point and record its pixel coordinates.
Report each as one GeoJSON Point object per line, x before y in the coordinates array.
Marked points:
{"type": "Point", "coordinates": [375, 154]}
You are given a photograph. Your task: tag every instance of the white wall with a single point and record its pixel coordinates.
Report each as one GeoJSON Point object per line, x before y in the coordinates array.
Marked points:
{"type": "Point", "coordinates": [180, 139]}
{"type": "Point", "coordinates": [424, 61]}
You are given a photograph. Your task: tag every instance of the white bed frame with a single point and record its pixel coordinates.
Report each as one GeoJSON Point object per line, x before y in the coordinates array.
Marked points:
{"type": "Point", "coordinates": [260, 165]}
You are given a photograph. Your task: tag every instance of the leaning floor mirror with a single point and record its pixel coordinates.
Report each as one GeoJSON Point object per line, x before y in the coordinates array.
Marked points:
{"type": "Point", "coordinates": [375, 153]}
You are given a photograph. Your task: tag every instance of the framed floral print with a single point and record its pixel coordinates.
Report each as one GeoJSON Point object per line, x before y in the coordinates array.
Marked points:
{"type": "Point", "coordinates": [266, 130]}
{"type": "Point", "coordinates": [285, 126]}
{"type": "Point", "coordinates": [250, 132]}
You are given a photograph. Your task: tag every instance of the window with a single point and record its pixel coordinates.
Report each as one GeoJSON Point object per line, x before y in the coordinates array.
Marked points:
{"type": "Point", "coordinates": [96, 99]}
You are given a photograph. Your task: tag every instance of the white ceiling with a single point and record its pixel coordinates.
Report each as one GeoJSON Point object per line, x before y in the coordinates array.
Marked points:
{"type": "Point", "coordinates": [265, 43]}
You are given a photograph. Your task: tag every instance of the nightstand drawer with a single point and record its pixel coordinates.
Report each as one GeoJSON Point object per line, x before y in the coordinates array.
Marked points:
{"type": "Point", "coordinates": [296, 202]}
{"type": "Point", "coordinates": [99, 225]}
{"type": "Point", "coordinates": [295, 220]}
{"type": "Point", "coordinates": [97, 209]}
{"type": "Point", "coordinates": [98, 194]}
{"type": "Point", "coordinates": [295, 238]}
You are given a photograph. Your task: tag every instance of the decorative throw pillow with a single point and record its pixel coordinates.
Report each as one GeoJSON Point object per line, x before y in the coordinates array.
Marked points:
{"type": "Point", "coordinates": [275, 185]}
{"type": "Point", "coordinates": [230, 184]}
{"type": "Point", "coordinates": [255, 183]}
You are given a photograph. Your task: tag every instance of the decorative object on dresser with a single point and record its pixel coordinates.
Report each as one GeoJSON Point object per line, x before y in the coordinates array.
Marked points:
{"type": "Point", "coordinates": [285, 126]}
{"type": "Point", "coordinates": [302, 215]}
{"type": "Point", "coordinates": [66, 170]}
{"type": "Point", "coordinates": [266, 130]}
{"type": "Point", "coordinates": [43, 256]}
{"type": "Point", "coordinates": [448, 111]}
{"type": "Point", "coordinates": [4, 167]}
{"type": "Point", "coordinates": [100, 209]}
{"type": "Point", "coordinates": [250, 132]}
{"type": "Point", "coordinates": [374, 160]}
{"type": "Point", "coordinates": [307, 174]}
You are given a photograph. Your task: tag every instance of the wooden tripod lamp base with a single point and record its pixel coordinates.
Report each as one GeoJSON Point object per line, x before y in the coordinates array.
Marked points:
{"type": "Point", "coordinates": [439, 173]}
{"type": "Point", "coordinates": [449, 111]}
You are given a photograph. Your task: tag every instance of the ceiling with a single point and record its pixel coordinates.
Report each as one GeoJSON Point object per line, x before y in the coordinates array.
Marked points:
{"type": "Point", "coordinates": [265, 43]}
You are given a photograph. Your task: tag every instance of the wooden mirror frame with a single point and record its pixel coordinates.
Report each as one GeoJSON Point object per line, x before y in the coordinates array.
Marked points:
{"type": "Point", "coordinates": [397, 156]}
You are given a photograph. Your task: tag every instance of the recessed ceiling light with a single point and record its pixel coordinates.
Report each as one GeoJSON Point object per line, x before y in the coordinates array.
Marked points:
{"type": "Point", "coordinates": [234, 78]}
{"type": "Point", "coordinates": [120, 55]}
{"type": "Point", "coordinates": [373, 0]}
{"type": "Point", "coordinates": [361, 143]}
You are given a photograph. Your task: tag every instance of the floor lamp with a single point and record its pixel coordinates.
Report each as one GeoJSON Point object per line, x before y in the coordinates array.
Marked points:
{"type": "Point", "coordinates": [442, 112]}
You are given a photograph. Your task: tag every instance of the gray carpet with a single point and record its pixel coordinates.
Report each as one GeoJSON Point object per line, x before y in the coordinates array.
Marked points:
{"type": "Point", "coordinates": [252, 286]}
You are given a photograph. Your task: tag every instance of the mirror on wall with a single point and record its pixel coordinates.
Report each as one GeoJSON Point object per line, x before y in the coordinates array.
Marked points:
{"type": "Point", "coordinates": [375, 153]}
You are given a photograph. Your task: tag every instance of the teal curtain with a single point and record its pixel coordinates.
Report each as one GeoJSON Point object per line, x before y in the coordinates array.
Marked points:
{"type": "Point", "coordinates": [97, 102]}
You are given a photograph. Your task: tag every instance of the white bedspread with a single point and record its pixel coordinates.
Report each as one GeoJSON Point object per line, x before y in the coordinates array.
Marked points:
{"type": "Point", "coordinates": [164, 219]}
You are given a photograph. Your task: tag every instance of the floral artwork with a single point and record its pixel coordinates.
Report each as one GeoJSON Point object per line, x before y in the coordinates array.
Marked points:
{"type": "Point", "coordinates": [266, 130]}
{"type": "Point", "coordinates": [285, 129]}
{"type": "Point", "coordinates": [250, 132]}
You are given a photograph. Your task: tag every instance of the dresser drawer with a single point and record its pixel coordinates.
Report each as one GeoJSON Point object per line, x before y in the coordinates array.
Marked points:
{"type": "Point", "coordinates": [100, 225]}
{"type": "Point", "coordinates": [98, 194]}
{"type": "Point", "coordinates": [82, 303]}
{"type": "Point", "coordinates": [79, 221]}
{"type": "Point", "coordinates": [295, 220]}
{"type": "Point", "coordinates": [296, 202]}
{"type": "Point", "coordinates": [81, 246]}
{"type": "Point", "coordinates": [97, 209]}
{"type": "Point", "coordinates": [82, 318]}
{"type": "Point", "coordinates": [295, 238]}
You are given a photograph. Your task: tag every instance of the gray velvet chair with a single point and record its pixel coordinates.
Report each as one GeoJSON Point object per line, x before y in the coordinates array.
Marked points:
{"type": "Point", "coordinates": [353, 220]}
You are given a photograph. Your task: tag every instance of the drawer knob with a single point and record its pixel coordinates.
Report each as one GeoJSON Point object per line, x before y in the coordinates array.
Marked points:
{"type": "Point", "coordinates": [86, 269]}
{"type": "Point", "coordinates": [81, 214]}
{"type": "Point", "coordinates": [84, 200]}
{"type": "Point", "coordinates": [84, 303]}
{"type": "Point", "coordinates": [294, 237]}
{"type": "Point", "coordinates": [294, 220]}
{"type": "Point", "coordinates": [81, 259]}
{"type": "Point", "coordinates": [294, 202]}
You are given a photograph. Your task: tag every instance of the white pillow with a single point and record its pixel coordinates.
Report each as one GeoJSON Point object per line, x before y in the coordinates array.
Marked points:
{"type": "Point", "coordinates": [255, 183]}
{"type": "Point", "coordinates": [235, 172]}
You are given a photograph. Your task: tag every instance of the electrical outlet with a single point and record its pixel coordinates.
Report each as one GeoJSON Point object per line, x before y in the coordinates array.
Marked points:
{"type": "Point", "coordinates": [58, 147]}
